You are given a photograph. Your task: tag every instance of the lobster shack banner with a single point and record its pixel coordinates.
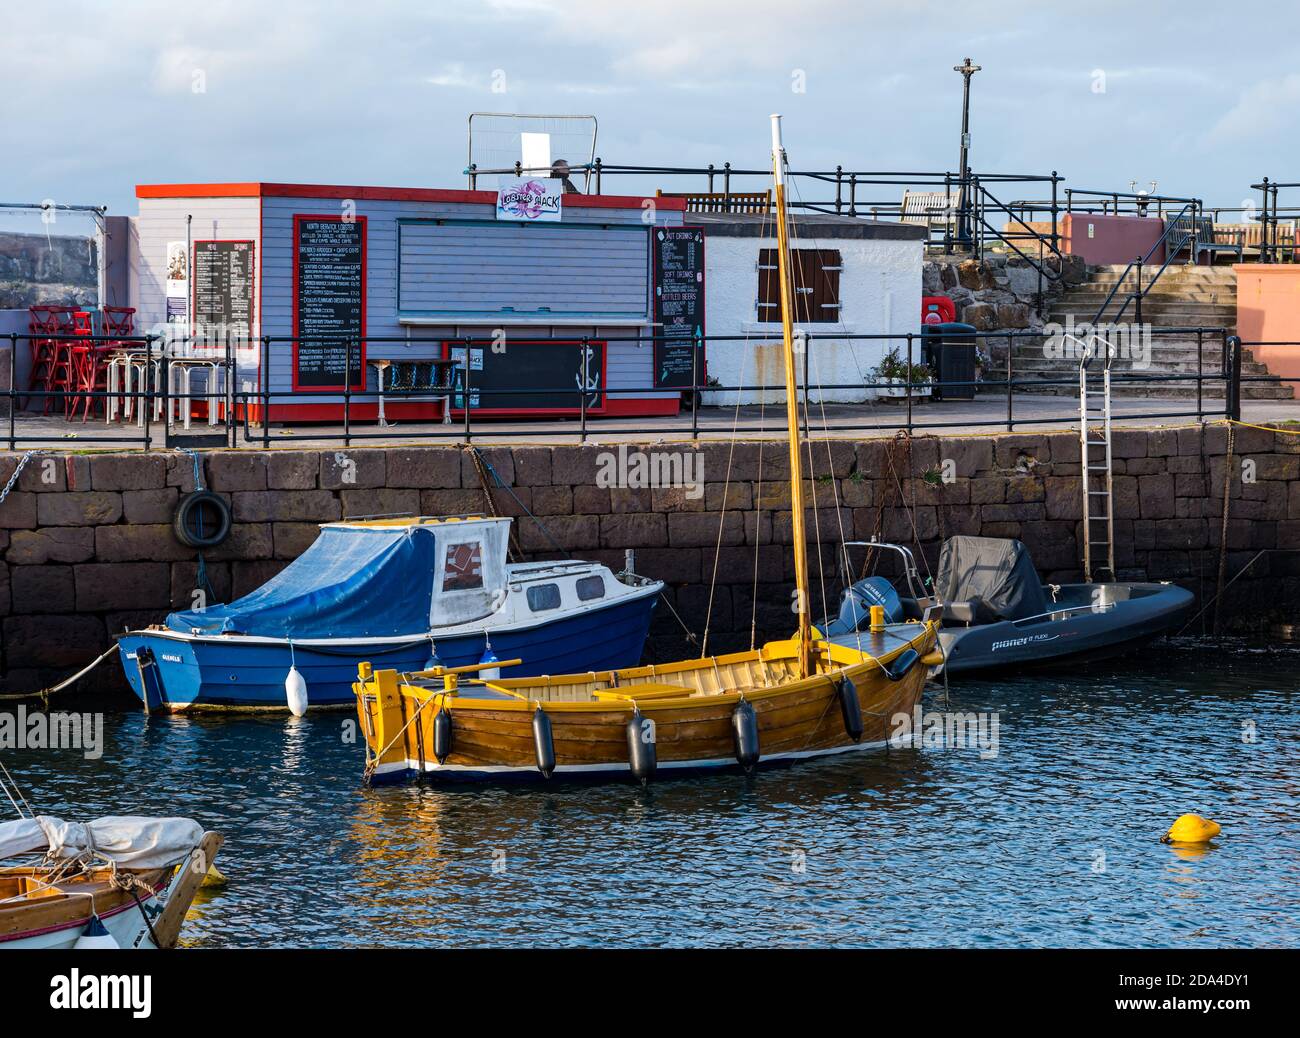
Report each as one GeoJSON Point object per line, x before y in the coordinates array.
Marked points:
{"type": "Point", "coordinates": [530, 199]}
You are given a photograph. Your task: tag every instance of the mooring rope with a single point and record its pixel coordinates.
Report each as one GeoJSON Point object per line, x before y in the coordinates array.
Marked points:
{"type": "Point", "coordinates": [45, 693]}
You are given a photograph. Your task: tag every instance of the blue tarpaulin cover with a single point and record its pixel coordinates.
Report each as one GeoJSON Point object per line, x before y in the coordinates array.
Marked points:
{"type": "Point", "coordinates": [353, 582]}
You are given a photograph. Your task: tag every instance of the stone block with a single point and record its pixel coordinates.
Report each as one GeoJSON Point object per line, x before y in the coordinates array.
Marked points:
{"type": "Point", "coordinates": [19, 510]}
{"type": "Point", "coordinates": [81, 508]}
{"type": "Point", "coordinates": [261, 506]}
{"type": "Point", "coordinates": [1156, 496]}
{"type": "Point", "coordinates": [424, 468]}
{"type": "Point", "coordinates": [150, 506]}
{"type": "Point", "coordinates": [292, 470]}
{"type": "Point", "coordinates": [672, 565]}
{"type": "Point", "coordinates": [128, 472]}
{"type": "Point", "coordinates": [246, 577]}
{"type": "Point", "coordinates": [62, 642]}
{"type": "Point", "coordinates": [1064, 497]}
{"type": "Point", "coordinates": [498, 460]}
{"type": "Point", "coordinates": [696, 529]}
{"type": "Point", "coordinates": [588, 500]}
{"type": "Point", "coordinates": [105, 586]}
{"type": "Point", "coordinates": [42, 589]}
{"type": "Point", "coordinates": [132, 543]}
{"type": "Point", "coordinates": [228, 471]}
{"type": "Point", "coordinates": [185, 582]}
{"type": "Point", "coordinates": [380, 501]}
{"type": "Point", "coordinates": [573, 466]}
{"type": "Point", "coordinates": [556, 500]}
{"type": "Point", "coordinates": [533, 466]}
{"type": "Point", "coordinates": [573, 533]}
{"type": "Point", "coordinates": [247, 541]}
{"type": "Point", "coordinates": [648, 530]}
{"type": "Point", "coordinates": [352, 469]}
{"type": "Point", "coordinates": [51, 544]}
{"type": "Point", "coordinates": [289, 540]}
{"type": "Point", "coordinates": [463, 502]}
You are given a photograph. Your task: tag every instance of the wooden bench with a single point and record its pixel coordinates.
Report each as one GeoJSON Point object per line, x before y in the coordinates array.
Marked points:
{"type": "Point", "coordinates": [933, 209]}
{"type": "Point", "coordinates": [1207, 242]}
{"type": "Point", "coordinates": [722, 201]}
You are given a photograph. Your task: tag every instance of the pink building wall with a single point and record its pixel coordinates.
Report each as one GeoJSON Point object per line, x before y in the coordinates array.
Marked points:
{"type": "Point", "coordinates": [1268, 310]}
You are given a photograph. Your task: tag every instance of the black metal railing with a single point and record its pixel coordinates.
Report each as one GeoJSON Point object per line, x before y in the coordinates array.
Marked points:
{"type": "Point", "coordinates": [1180, 232]}
{"type": "Point", "coordinates": [999, 400]}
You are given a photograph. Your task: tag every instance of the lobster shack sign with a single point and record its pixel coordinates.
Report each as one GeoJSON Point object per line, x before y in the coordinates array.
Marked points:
{"type": "Point", "coordinates": [530, 199]}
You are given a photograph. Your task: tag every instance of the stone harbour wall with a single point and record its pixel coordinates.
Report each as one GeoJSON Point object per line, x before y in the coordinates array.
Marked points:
{"type": "Point", "coordinates": [87, 547]}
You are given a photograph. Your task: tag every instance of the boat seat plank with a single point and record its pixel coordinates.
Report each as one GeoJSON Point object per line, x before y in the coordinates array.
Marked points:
{"type": "Point", "coordinates": [646, 691]}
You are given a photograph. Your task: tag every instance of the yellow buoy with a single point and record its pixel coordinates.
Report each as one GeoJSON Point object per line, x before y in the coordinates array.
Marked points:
{"type": "Point", "coordinates": [1191, 829]}
{"type": "Point", "coordinates": [214, 878]}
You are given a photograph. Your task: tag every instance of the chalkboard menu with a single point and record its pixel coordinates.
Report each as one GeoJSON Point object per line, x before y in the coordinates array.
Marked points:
{"type": "Point", "coordinates": [679, 305]}
{"type": "Point", "coordinates": [223, 292]}
{"type": "Point", "coordinates": [541, 375]}
{"type": "Point", "coordinates": [329, 301]}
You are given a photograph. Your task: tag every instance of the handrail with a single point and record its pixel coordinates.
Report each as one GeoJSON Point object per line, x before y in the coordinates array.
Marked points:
{"type": "Point", "coordinates": [1141, 261]}
{"type": "Point", "coordinates": [1043, 269]}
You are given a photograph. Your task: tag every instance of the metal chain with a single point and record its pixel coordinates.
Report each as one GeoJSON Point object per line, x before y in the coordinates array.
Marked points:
{"type": "Point", "coordinates": [18, 469]}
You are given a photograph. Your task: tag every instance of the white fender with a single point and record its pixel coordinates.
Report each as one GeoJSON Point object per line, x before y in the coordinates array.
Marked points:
{"type": "Point", "coordinates": [295, 692]}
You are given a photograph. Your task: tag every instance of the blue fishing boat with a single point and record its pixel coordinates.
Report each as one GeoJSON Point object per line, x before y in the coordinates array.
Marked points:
{"type": "Point", "coordinates": [407, 592]}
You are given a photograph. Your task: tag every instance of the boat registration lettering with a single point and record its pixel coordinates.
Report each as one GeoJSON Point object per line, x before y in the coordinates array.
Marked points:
{"type": "Point", "coordinates": [171, 658]}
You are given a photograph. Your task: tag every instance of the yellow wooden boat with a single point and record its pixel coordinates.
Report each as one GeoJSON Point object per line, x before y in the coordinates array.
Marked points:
{"type": "Point", "coordinates": [719, 711]}
{"type": "Point", "coordinates": [788, 700]}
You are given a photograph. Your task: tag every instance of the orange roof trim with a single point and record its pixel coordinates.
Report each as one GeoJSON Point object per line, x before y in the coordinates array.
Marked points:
{"type": "Point", "coordinates": [383, 194]}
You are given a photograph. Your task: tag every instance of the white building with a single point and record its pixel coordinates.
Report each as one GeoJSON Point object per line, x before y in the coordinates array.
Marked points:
{"type": "Point", "coordinates": [853, 277]}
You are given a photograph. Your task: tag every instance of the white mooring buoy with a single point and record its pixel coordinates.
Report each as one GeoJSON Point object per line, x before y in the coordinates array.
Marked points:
{"type": "Point", "coordinates": [295, 692]}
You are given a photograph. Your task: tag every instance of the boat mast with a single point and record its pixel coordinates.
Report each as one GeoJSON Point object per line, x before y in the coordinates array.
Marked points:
{"type": "Point", "coordinates": [786, 276]}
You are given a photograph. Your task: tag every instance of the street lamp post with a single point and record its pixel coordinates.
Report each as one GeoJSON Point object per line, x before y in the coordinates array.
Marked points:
{"type": "Point", "coordinates": [963, 191]}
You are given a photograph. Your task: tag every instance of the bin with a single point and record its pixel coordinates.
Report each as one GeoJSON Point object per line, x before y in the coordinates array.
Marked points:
{"type": "Point", "coordinates": [949, 350]}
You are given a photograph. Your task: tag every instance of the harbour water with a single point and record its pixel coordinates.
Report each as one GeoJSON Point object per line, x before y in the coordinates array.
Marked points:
{"type": "Point", "coordinates": [1052, 842]}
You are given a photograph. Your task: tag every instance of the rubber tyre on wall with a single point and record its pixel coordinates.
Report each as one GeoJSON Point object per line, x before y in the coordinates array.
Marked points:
{"type": "Point", "coordinates": [192, 523]}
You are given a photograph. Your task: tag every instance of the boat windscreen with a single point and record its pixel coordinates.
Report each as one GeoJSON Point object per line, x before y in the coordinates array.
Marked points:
{"type": "Point", "coordinates": [996, 571]}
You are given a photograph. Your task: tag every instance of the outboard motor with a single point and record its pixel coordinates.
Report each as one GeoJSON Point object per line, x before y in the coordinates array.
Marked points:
{"type": "Point", "coordinates": [855, 607]}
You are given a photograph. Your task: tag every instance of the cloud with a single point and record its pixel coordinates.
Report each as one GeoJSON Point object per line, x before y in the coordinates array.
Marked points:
{"type": "Point", "coordinates": [1263, 113]}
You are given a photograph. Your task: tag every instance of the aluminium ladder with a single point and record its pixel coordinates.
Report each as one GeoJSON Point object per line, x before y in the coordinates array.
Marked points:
{"type": "Point", "coordinates": [1095, 468]}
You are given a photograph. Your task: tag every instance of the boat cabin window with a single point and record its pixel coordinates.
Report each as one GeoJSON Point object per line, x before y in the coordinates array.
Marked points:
{"type": "Point", "coordinates": [544, 596]}
{"type": "Point", "coordinates": [462, 570]}
{"type": "Point", "coordinates": [590, 587]}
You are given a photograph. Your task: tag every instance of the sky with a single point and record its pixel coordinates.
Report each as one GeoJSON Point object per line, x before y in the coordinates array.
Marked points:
{"type": "Point", "coordinates": [1201, 97]}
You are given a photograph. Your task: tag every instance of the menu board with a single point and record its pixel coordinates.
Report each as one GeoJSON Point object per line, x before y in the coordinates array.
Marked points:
{"type": "Point", "coordinates": [679, 306]}
{"type": "Point", "coordinates": [223, 292]}
{"type": "Point", "coordinates": [329, 301]}
{"type": "Point", "coordinates": [543, 375]}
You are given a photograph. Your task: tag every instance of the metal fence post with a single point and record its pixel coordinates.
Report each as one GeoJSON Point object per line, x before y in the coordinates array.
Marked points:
{"type": "Point", "coordinates": [13, 398]}
{"type": "Point", "coordinates": [1233, 391]}
{"type": "Point", "coordinates": [347, 392]}
{"type": "Point", "coordinates": [1011, 347]}
{"type": "Point", "coordinates": [264, 380]}
{"type": "Point", "coordinates": [469, 341]}
{"type": "Point", "coordinates": [582, 390]}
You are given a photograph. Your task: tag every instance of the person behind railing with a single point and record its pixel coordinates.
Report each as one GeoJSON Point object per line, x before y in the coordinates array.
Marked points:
{"type": "Point", "coordinates": [560, 172]}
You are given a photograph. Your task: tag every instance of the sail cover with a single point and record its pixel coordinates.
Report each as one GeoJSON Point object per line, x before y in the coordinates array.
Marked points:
{"type": "Point", "coordinates": [371, 580]}
{"type": "Point", "coordinates": [131, 841]}
{"type": "Point", "coordinates": [997, 572]}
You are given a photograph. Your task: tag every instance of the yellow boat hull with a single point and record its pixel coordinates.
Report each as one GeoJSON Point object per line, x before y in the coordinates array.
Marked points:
{"type": "Point", "coordinates": [690, 706]}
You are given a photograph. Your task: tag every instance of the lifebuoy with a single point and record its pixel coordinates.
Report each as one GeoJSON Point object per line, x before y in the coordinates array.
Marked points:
{"type": "Point", "coordinates": [202, 520]}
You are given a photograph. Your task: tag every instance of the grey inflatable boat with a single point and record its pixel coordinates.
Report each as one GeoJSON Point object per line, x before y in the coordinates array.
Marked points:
{"type": "Point", "coordinates": [997, 615]}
